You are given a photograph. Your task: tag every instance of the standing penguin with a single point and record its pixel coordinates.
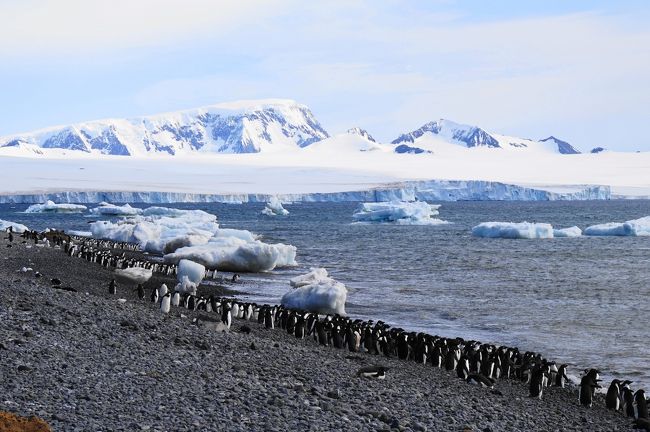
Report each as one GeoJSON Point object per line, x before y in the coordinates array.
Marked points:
{"type": "Point", "coordinates": [162, 290]}
{"type": "Point", "coordinates": [612, 399]}
{"type": "Point", "coordinates": [140, 292]}
{"type": "Point", "coordinates": [226, 314]}
{"type": "Point", "coordinates": [165, 303]}
{"type": "Point", "coordinates": [588, 386]}
{"type": "Point", "coordinates": [641, 404]}
{"type": "Point", "coordinates": [154, 295]}
{"type": "Point", "coordinates": [462, 368]}
{"type": "Point", "coordinates": [536, 387]}
{"type": "Point", "coordinates": [561, 378]}
{"type": "Point", "coordinates": [628, 401]}
{"type": "Point", "coordinates": [176, 299]}
{"type": "Point", "coordinates": [112, 287]}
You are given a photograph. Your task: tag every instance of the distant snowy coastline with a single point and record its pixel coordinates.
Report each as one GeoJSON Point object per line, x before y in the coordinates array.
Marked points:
{"type": "Point", "coordinates": [427, 190]}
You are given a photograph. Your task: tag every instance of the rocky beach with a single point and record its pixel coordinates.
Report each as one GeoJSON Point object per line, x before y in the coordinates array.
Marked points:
{"type": "Point", "coordinates": [83, 359]}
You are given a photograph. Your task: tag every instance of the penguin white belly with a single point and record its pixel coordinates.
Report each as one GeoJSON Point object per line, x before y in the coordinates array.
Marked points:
{"type": "Point", "coordinates": [165, 304]}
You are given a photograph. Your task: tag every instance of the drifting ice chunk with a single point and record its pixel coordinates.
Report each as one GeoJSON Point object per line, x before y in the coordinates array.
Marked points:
{"type": "Point", "coordinates": [511, 230]}
{"type": "Point", "coordinates": [274, 208]}
{"type": "Point", "coordinates": [398, 212]}
{"type": "Point", "coordinates": [236, 254]}
{"type": "Point", "coordinates": [133, 275]}
{"type": "Point", "coordinates": [19, 228]}
{"type": "Point", "coordinates": [160, 229]}
{"type": "Point", "coordinates": [632, 228]}
{"type": "Point", "coordinates": [315, 275]}
{"type": "Point", "coordinates": [80, 233]}
{"type": "Point", "coordinates": [194, 272]}
{"type": "Point", "coordinates": [573, 231]}
{"type": "Point", "coordinates": [317, 292]}
{"type": "Point", "coordinates": [52, 207]}
{"type": "Point", "coordinates": [107, 209]}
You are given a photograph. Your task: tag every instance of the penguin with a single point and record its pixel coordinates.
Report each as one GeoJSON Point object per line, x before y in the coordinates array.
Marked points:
{"type": "Point", "coordinates": [641, 404]}
{"type": "Point", "coordinates": [536, 387]}
{"type": "Point", "coordinates": [55, 281]}
{"type": "Point", "coordinates": [588, 386]}
{"type": "Point", "coordinates": [269, 319]}
{"type": "Point", "coordinates": [112, 288]}
{"type": "Point", "coordinates": [176, 299]}
{"type": "Point", "coordinates": [226, 314]}
{"type": "Point", "coordinates": [235, 278]}
{"type": "Point", "coordinates": [191, 302]}
{"type": "Point", "coordinates": [140, 292]}
{"type": "Point", "coordinates": [480, 379]}
{"type": "Point", "coordinates": [377, 372]}
{"type": "Point", "coordinates": [561, 377]}
{"type": "Point", "coordinates": [462, 368]}
{"type": "Point", "coordinates": [165, 303]}
{"type": "Point", "coordinates": [628, 402]}
{"type": "Point", "coordinates": [162, 290]}
{"type": "Point", "coordinates": [612, 399]}
{"type": "Point", "coordinates": [154, 295]}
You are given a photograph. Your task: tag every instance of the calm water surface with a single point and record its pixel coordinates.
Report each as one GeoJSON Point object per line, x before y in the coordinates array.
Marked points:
{"type": "Point", "coordinates": [583, 301]}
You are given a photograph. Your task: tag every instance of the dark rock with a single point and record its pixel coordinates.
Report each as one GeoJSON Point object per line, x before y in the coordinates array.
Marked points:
{"type": "Point", "coordinates": [24, 368]}
{"type": "Point", "coordinates": [252, 346]}
{"type": "Point", "coordinates": [202, 345]}
{"type": "Point", "coordinates": [334, 394]}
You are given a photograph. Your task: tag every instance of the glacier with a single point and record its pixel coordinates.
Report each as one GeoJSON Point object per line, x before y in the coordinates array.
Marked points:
{"type": "Point", "coordinates": [317, 292]}
{"type": "Point", "coordinates": [423, 190]}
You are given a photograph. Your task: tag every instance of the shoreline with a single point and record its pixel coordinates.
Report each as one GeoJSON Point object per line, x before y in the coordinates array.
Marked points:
{"type": "Point", "coordinates": [76, 358]}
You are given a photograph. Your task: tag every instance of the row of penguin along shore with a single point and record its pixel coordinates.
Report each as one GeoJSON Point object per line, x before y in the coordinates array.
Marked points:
{"type": "Point", "coordinates": [93, 325]}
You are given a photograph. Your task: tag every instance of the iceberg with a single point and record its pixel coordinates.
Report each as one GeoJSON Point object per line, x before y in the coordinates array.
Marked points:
{"type": "Point", "coordinates": [52, 207]}
{"type": "Point", "coordinates": [19, 228]}
{"type": "Point", "coordinates": [274, 208]}
{"type": "Point", "coordinates": [573, 231]}
{"type": "Point", "coordinates": [232, 253]}
{"type": "Point", "coordinates": [631, 228]}
{"type": "Point", "coordinates": [160, 229]}
{"type": "Point", "coordinates": [316, 292]}
{"type": "Point", "coordinates": [398, 212]}
{"type": "Point", "coordinates": [511, 230]}
{"type": "Point", "coordinates": [107, 209]}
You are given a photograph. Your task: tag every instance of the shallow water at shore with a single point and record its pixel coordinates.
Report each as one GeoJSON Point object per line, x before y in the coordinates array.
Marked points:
{"type": "Point", "coordinates": [583, 301]}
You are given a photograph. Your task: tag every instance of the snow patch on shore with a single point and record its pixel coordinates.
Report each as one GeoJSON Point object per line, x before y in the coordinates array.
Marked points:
{"type": "Point", "coordinates": [316, 292]}
{"type": "Point", "coordinates": [19, 228]}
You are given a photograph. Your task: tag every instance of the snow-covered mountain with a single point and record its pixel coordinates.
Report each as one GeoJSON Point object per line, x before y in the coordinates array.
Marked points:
{"type": "Point", "coordinates": [445, 135]}
{"type": "Point", "coordinates": [239, 127]}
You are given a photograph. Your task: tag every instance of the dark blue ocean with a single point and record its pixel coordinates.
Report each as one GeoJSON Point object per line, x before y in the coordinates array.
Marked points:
{"type": "Point", "coordinates": [583, 301]}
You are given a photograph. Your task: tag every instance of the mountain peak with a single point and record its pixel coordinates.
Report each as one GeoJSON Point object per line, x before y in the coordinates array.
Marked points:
{"type": "Point", "coordinates": [361, 132]}
{"type": "Point", "coordinates": [232, 127]}
{"type": "Point", "coordinates": [470, 136]}
{"type": "Point", "coordinates": [562, 146]}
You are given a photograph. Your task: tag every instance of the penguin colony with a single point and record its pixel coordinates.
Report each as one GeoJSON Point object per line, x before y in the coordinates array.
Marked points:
{"type": "Point", "coordinates": [472, 361]}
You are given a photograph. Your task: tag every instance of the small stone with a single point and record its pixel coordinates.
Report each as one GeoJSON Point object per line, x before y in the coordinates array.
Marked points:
{"type": "Point", "coordinates": [419, 427]}
{"type": "Point", "coordinates": [276, 345]}
{"type": "Point", "coordinates": [252, 346]}
{"type": "Point", "coordinates": [23, 368]}
{"type": "Point", "coordinates": [334, 394]}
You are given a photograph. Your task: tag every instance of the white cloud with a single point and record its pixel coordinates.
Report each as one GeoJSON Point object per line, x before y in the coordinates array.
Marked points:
{"type": "Point", "coordinates": [41, 27]}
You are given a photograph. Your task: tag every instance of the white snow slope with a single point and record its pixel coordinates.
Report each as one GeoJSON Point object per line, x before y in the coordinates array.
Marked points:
{"type": "Point", "coordinates": [289, 155]}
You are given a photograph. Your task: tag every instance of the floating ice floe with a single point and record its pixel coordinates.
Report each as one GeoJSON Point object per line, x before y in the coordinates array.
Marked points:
{"type": "Point", "coordinates": [19, 228]}
{"type": "Point", "coordinates": [107, 209]}
{"type": "Point", "coordinates": [195, 235]}
{"type": "Point", "coordinates": [52, 207]}
{"type": "Point", "coordinates": [316, 292]}
{"type": "Point", "coordinates": [79, 233]}
{"type": "Point", "coordinates": [573, 231]}
{"type": "Point", "coordinates": [632, 228]}
{"type": "Point", "coordinates": [511, 230]}
{"type": "Point", "coordinates": [232, 253]}
{"type": "Point", "coordinates": [274, 208]}
{"type": "Point", "coordinates": [133, 275]}
{"type": "Point", "coordinates": [398, 212]}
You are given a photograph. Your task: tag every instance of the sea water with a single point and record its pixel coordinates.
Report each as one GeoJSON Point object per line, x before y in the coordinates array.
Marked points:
{"type": "Point", "coordinates": [582, 301]}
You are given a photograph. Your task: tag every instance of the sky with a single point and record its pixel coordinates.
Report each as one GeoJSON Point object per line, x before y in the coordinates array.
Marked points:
{"type": "Point", "coordinates": [577, 70]}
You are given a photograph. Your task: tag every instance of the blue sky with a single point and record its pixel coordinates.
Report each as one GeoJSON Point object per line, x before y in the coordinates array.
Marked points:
{"type": "Point", "coordinates": [578, 70]}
